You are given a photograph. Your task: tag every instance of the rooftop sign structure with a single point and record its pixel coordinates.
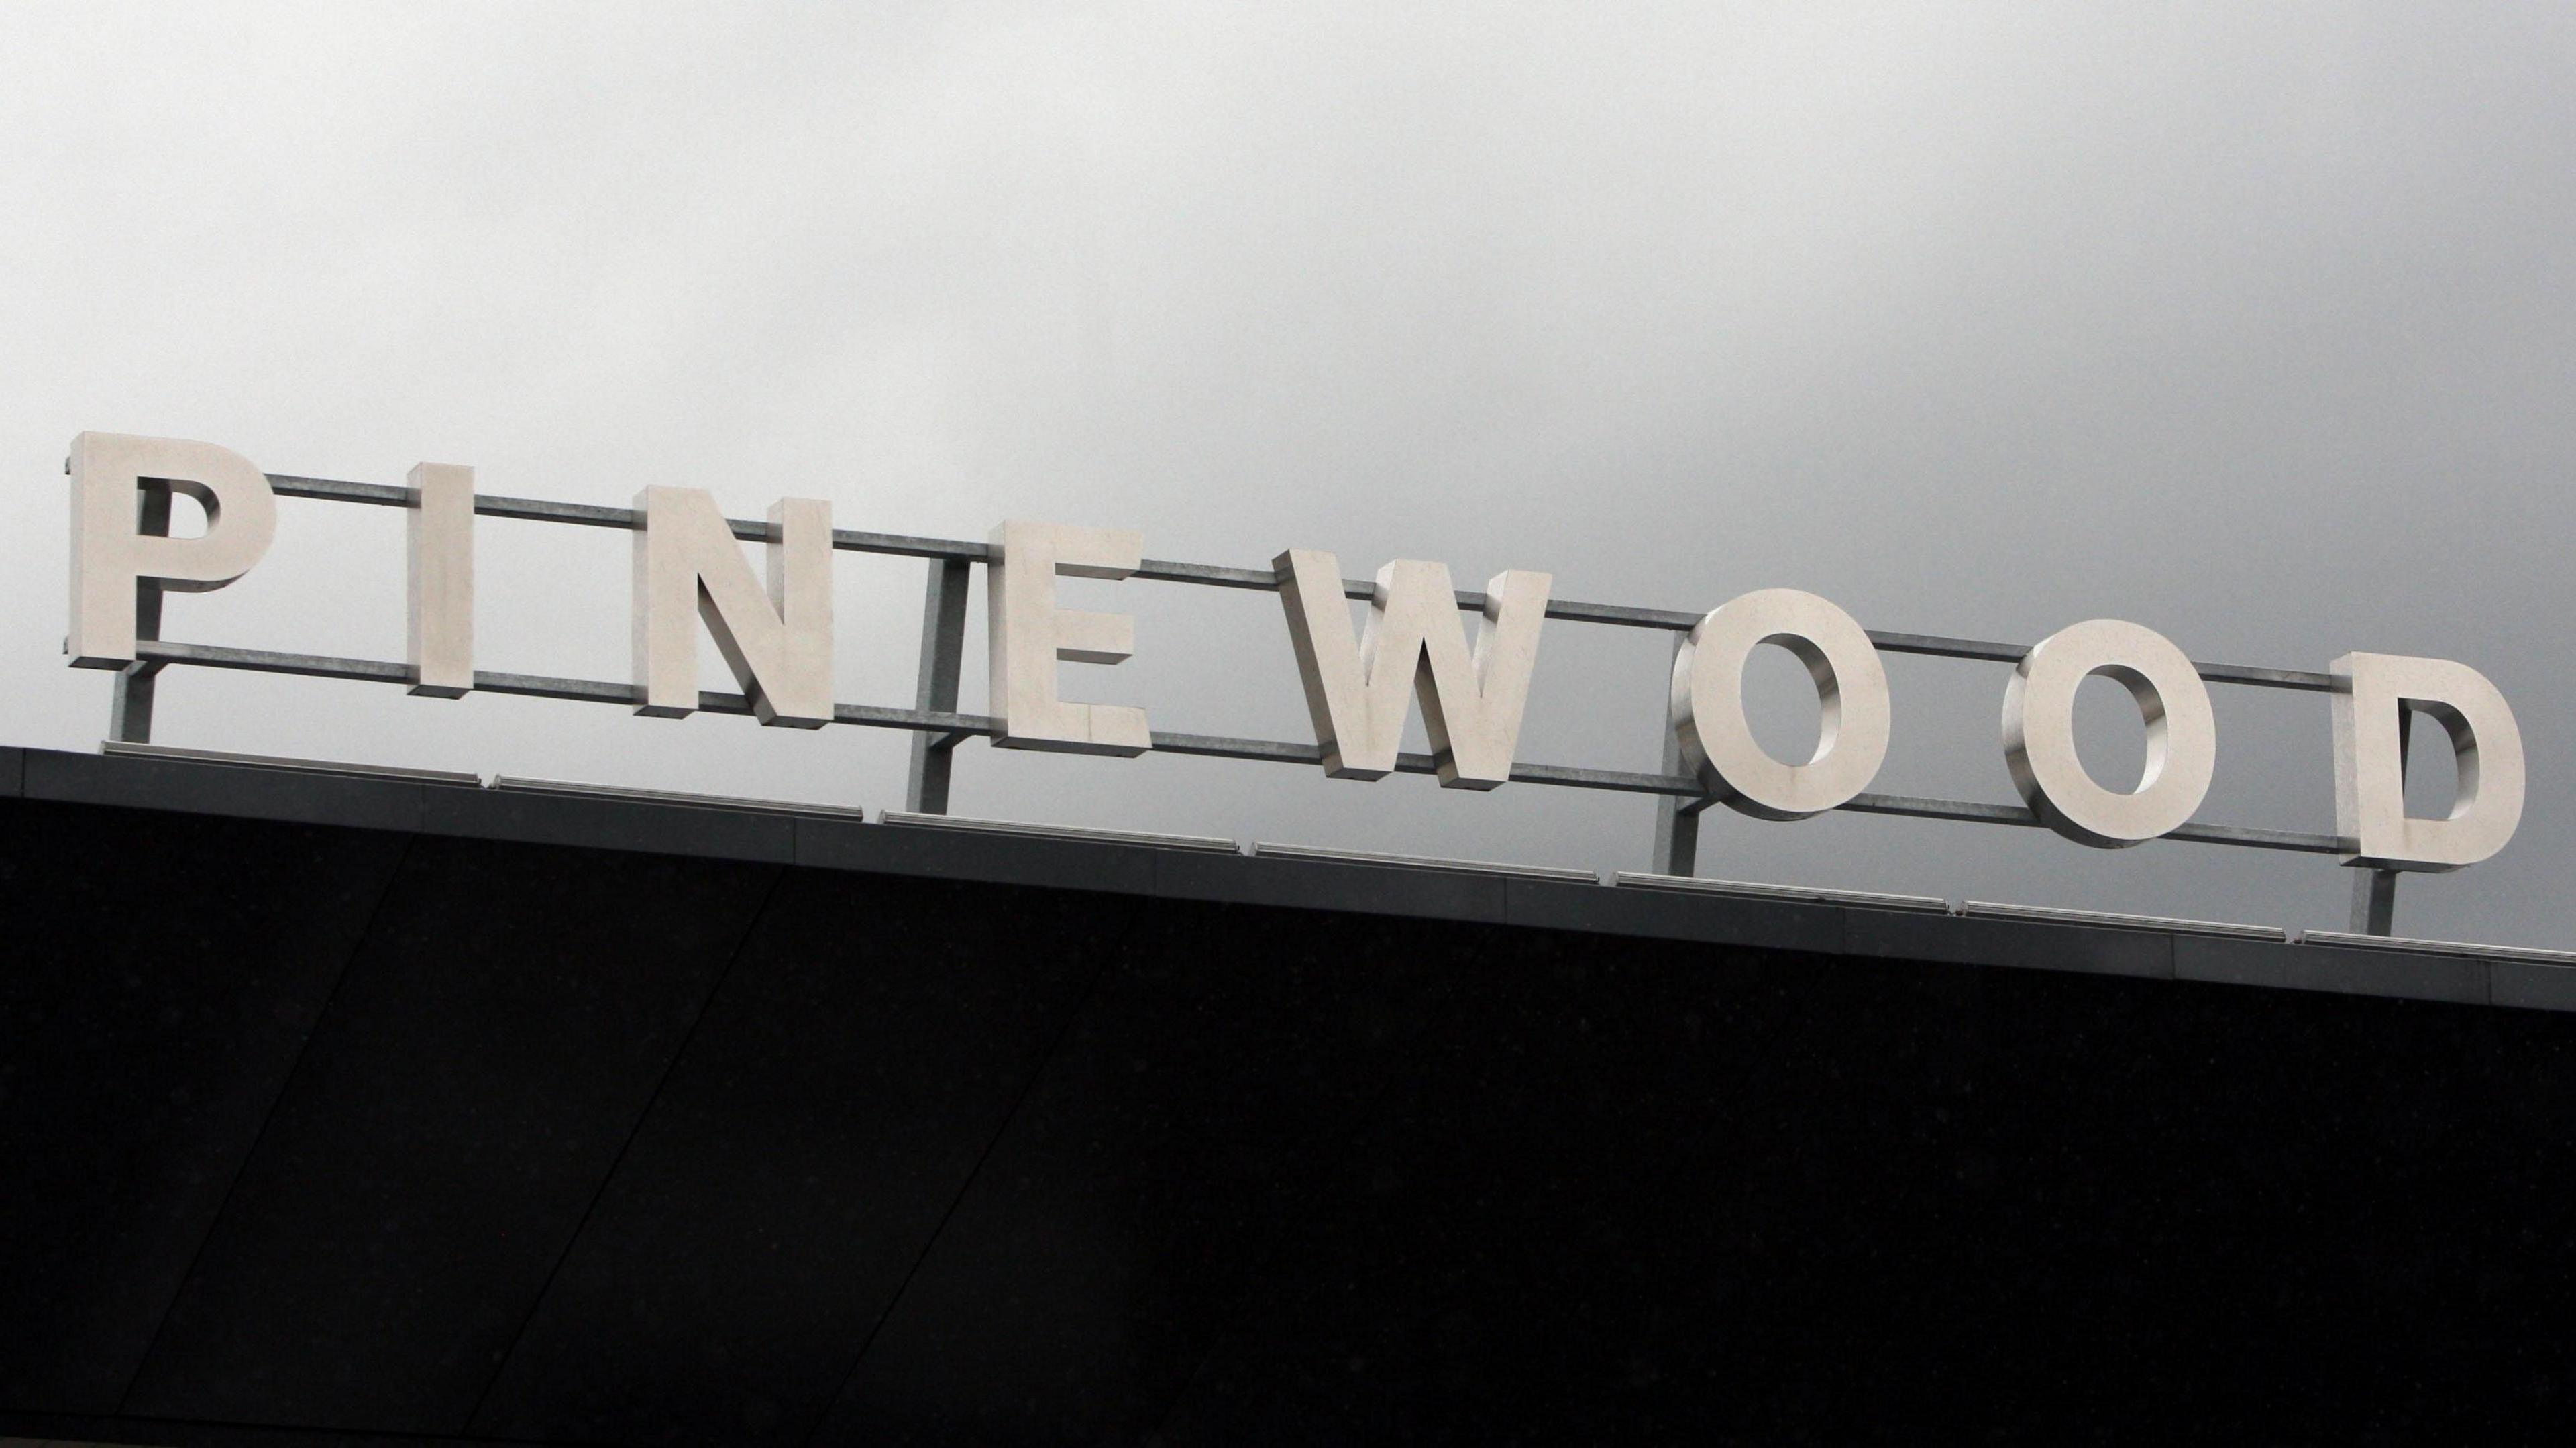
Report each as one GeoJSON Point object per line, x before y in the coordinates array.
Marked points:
{"type": "Point", "coordinates": [1415, 650]}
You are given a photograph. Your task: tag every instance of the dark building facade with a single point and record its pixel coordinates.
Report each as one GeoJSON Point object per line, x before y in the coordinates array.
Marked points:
{"type": "Point", "coordinates": [345, 1109]}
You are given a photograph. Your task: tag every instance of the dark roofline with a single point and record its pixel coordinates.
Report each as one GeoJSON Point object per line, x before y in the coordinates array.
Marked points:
{"type": "Point", "coordinates": [420, 803]}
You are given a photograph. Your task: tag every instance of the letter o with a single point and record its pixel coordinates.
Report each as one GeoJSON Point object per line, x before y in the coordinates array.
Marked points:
{"type": "Point", "coordinates": [2039, 733]}
{"type": "Point", "coordinates": [1708, 705]}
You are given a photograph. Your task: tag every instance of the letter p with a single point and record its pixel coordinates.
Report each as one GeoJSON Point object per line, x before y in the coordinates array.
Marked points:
{"type": "Point", "coordinates": [111, 554]}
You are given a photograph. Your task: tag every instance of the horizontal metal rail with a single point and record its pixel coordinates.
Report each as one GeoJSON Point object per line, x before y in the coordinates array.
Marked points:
{"type": "Point", "coordinates": [1159, 570]}
{"type": "Point", "coordinates": [876, 716]}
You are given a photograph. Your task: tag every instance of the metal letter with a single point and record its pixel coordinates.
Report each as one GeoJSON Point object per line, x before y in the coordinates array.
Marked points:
{"type": "Point", "coordinates": [440, 538]}
{"type": "Point", "coordinates": [2039, 733]}
{"type": "Point", "coordinates": [1708, 705]}
{"type": "Point", "coordinates": [111, 555]}
{"type": "Point", "coordinates": [779, 646]}
{"type": "Point", "coordinates": [2370, 762]}
{"type": "Point", "coordinates": [1355, 689]}
{"type": "Point", "coordinates": [1029, 634]}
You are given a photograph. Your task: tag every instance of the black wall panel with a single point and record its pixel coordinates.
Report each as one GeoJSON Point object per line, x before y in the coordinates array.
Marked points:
{"type": "Point", "coordinates": [1601, 1184]}
{"type": "Point", "coordinates": [330, 1135]}
{"type": "Point", "coordinates": [838, 1095]}
{"type": "Point", "coordinates": [160, 976]}
{"type": "Point", "coordinates": [1086, 1269]}
{"type": "Point", "coordinates": [487, 1055]}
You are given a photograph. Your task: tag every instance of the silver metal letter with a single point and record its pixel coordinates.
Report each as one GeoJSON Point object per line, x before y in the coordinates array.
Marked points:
{"type": "Point", "coordinates": [111, 554]}
{"type": "Point", "coordinates": [440, 538]}
{"type": "Point", "coordinates": [1416, 643]}
{"type": "Point", "coordinates": [778, 645]}
{"type": "Point", "coordinates": [2039, 733]}
{"type": "Point", "coordinates": [1708, 705]}
{"type": "Point", "coordinates": [2370, 763]}
{"type": "Point", "coordinates": [1029, 634]}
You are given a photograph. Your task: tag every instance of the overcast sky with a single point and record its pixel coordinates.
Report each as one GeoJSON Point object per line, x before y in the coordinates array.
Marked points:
{"type": "Point", "coordinates": [2249, 323]}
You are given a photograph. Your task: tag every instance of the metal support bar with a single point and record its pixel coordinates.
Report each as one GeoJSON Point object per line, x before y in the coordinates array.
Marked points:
{"type": "Point", "coordinates": [129, 705]}
{"type": "Point", "coordinates": [945, 722]}
{"type": "Point", "coordinates": [2374, 901]}
{"type": "Point", "coordinates": [943, 654]}
{"type": "Point", "coordinates": [2374, 892]}
{"type": "Point", "coordinates": [1166, 571]}
{"type": "Point", "coordinates": [1676, 820]}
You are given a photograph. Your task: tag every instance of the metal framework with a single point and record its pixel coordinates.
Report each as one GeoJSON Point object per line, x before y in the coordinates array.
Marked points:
{"type": "Point", "coordinates": [938, 728]}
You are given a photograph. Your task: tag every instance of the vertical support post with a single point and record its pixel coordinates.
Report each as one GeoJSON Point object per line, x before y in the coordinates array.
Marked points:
{"type": "Point", "coordinates": [943, 649]}
{"type": "Point", "coordinates": [129, 708]}
{"type": "Point", "coordinates": [2374, 901]}
{"type": "Point", "coordinates": [2374, 892]}
{"type": "Point", "coordinates": [1676, 819]}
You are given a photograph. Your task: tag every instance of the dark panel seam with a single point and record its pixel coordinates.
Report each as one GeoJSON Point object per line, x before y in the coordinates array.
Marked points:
{"type": "Point", "coordinates": [966, 1188]}
{"type": "Point", "coordinates": [679, 1053]}
{"type": "Point", "coordinates": [285, 1083]}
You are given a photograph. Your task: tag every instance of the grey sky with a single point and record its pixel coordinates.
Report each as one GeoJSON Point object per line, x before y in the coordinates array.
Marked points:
{"type": "Point", "coordinates": [2249, 323]}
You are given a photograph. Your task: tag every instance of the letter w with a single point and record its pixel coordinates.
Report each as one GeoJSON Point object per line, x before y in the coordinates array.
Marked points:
{"type": "Point", "coordinates": [1416, 642]}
